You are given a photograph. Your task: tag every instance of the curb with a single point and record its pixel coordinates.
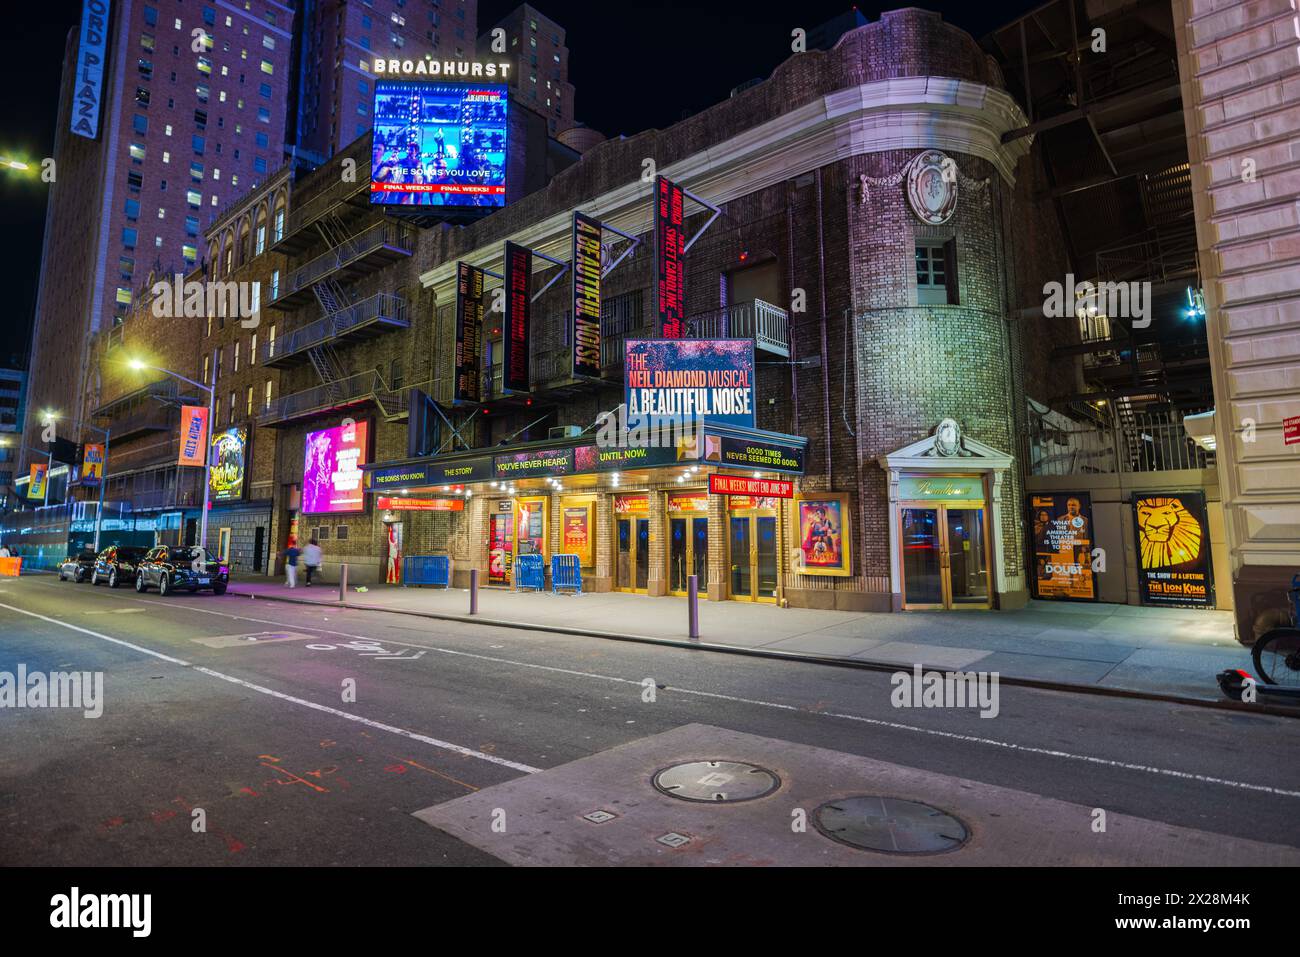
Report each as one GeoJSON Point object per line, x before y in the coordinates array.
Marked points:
{"type": "Point", "coordinates": [858, 664]}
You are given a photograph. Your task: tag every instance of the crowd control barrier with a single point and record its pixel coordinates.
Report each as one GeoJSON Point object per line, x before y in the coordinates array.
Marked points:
{"type": "Point", "coordinates": [427, 570]}
{"type": "Point", "coordinates": [530, 572]}
{"type": "Point", "coordinates": [566, 574]}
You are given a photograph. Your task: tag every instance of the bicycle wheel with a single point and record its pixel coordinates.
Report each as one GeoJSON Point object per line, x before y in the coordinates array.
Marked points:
{"type": "Point", "coordinates": [1277, 656]}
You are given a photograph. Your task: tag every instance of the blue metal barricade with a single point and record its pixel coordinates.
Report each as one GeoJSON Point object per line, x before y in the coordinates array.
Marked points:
{"type": "Point", "coordinates": [530, 572]}
{"type": "Point", "coordinates": [566, 573]}
{"type": "Point", "coordinates": [426, 570]}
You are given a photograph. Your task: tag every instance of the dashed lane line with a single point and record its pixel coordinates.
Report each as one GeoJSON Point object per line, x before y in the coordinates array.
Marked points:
{"type": "Point", "coordinates": [301, 702]}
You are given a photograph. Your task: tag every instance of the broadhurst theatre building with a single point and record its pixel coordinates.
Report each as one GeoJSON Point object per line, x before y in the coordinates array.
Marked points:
{"type": "Point", "coordinates": [858, 219]}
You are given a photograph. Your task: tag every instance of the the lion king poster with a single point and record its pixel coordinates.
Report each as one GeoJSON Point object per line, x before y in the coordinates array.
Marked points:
{"type": "Point", "coordinates": [1173, 542]}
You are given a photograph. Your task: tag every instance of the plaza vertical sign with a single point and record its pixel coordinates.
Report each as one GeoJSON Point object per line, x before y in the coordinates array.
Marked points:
{"type": "Point", "coordinates": [670, 242]}
{"type": "Point", "coordinates": [469, 333]}
{"type": "Point", "coordinates": [194, 435]}
{"type": "Point", "coordinates": [586, 297]}
{"type": "Point", "coordinates": [88, 83]}
{"type": "Point", "coordinates": [519, 304]}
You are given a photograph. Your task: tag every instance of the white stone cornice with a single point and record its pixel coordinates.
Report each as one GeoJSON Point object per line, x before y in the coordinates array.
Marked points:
{"type": "Point", "coordinates": [956, 116]}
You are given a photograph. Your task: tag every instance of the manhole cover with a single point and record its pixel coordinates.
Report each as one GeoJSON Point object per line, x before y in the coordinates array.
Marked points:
{"type": "Point", "coordinates": [890, 825]}
{"type": "Point", "coordinates": [716, 782]}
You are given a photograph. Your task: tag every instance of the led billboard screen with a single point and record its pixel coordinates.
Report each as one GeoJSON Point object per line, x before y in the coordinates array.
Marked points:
{"type": "Point", "coordinates": [439, 144]}
{"type": "Point", "coordinates": [229, 460]}
{"type": "Point", "coordinates": [331, 472]}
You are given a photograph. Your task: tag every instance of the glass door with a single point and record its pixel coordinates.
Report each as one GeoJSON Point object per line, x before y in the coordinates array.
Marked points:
{"type": "Point", "coordinates": [752, 552]}
{"type": "Point", "coordinates": [632, 562]}
{"type": "Point", "coordinates": [945, 557]}
{"type": "Point", "coordinates": [741, 574]}
{"type": "Point", "coordinates": [921, 563]}
{"type": "Point", "coordinates": [688, 552]}
{"type": "Point", "coordinates": [642, 558]}
{"type": "Point", "coordinates": [968, 574]}
{"type": "Point", "coordinates": [700, 553]}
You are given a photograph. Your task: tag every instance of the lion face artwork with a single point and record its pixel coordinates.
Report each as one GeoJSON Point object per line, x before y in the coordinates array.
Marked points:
{"type": "Point", "coordinates": [1170, 534]}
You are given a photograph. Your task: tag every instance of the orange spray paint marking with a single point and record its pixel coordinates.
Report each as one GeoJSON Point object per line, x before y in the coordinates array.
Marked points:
{"type": "Point", "coordinates": [435, 771]}
{"type": "Point", "coordinates": [294, 779]}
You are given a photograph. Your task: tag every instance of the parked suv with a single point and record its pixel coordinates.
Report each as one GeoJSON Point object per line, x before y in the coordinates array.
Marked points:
{"type": "Point", "coordinates": [117, 564]}
{"type": "Point", "coordinates": [188, 567]}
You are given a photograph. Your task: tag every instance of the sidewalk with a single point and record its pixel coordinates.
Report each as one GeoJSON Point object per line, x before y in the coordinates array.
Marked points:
{"type": "Point", "coordinates": [1161, 650]}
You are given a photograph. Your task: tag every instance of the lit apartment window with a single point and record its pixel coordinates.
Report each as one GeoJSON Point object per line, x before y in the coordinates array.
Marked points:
{"type": "Point", "coordinates": [207, 364]}
{"type": "Point", "coordinates": [205, 65]}
{"type": "Point", "coordinates": [125, 267]}
{"type": "Point", "coordinates": [202, 90]}
{"type": "Point", "coordinates": [137, 152]}
{"type": "Point", "coordinates": [144, 68]}
{"type": "Point", "coordinates": [146, 41]}
{"type": "Point", "coordinates": [259, 244]}
{"type": "Point", "coordinates": [267, 67]}
{"type": "Point", "coordinates": [250, 402]}
{"type": "Point", "coordinates": [266, 402]}
{"type": "Point", "coordinates": [268, 42]}
{"type": "Point", "coordinates": [235, 366]}
{"type": "Point", "coordinates": [232, 407]}
{"type": "Point", "coordinates": [167, 157]}
{"type": "Point", "coordinates": [263, 115]}
{"type": "Point", "coordinates": [178, 23]}
{"type": "Point", "coordinates": [196, 172]}
{"type": "Point", "coordinates": [142, 96]}
{"type": "Point", "coordinates": [252, 351]}
{"type": "Point", "coordinates": [123, 296]}
{"type": "Point", "coordinates": [194, 198]}
{"type": "Point", "coordinates": [190, 253]}
{"type": "Point", "coordinates": [275, 294]}
{"type": "Point", "coordinates": [279, 225]}
{"type": "Point", "coordinates": [162, 212]}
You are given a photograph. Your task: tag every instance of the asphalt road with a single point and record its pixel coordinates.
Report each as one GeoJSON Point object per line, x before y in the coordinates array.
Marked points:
{"type": "Point", "coordinates": [260, 737]}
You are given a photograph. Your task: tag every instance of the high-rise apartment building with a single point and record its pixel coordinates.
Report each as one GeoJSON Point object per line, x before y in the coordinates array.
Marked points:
{"type": "Point", "coordinates": [340, 38]}
{"type": "Point", "coordinates": [540, 77]}
{"type": "Point", "coordinates": [13, 394]}
{"type": "Point", "coordinates": [191, 114]}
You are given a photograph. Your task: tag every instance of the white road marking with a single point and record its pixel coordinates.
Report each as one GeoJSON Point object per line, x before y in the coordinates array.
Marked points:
{"type": "Point", "coordinates": [860, 719]}
{"type": "Point", "coordinates": [378, 725]}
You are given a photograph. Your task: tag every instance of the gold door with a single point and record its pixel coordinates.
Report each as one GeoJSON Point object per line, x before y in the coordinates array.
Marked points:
{"type": "Point", "coordinates": [944, 560]}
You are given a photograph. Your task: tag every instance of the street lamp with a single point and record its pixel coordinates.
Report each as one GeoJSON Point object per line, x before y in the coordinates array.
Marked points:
{"type": "Point", "coordinates": [211, 390]}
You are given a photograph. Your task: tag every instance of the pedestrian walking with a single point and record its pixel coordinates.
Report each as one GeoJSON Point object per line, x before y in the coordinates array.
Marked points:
{"type": "Point", "coordinates": [291, 563]}
{"type": "Point", "coordinates": [311, 558]}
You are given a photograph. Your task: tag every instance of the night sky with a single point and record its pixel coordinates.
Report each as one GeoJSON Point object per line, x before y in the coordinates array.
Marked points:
{"type": "Point", "coordinates": [634, 65]}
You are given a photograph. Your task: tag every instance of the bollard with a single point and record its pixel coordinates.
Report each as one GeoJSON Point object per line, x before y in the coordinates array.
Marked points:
{"type": "Point", "coordinates": [693, 605]}
{"type": "Point", "coordinates": [343, 582]}
{"type": "Point", "coordinates": [473, 591]}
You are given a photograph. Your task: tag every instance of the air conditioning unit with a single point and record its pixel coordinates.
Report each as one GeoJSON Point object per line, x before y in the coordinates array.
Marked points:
{"type": "Point", "coordinates": [564, 432]}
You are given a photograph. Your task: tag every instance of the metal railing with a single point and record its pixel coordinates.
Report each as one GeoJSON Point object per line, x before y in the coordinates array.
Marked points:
{"type": "Point", "coordinates": [346, 391]}
{"type": "Point", "coordinates": [387, 233]}
{"type": "Point", "coordinates": [321, 203]}
{"type": "Point", "coordinates": [1151, 442]}
{"type": "Point", "coordinates": [766, 324]}
{"type": "Point", "coordinates": [381, 307]}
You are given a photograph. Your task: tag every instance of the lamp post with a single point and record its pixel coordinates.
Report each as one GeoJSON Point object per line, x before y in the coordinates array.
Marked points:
{"type": "Point", "coordinates": [211, 390]}
{"type": "Point", "coordinates": [103, 480]}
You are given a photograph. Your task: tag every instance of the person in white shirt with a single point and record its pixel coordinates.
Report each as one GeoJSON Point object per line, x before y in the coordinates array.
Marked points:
{"type": "Point", "coordinates": [311, 556]}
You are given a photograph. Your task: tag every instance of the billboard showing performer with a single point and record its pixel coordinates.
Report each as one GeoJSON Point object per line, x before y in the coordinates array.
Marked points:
{"type": "Point", "coordinates": [1061, 526]}
{"type": "Point", "coordinates": [439, 144]}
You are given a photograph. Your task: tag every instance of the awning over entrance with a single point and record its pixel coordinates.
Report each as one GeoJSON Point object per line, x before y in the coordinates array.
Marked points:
{"type": "Point", "coordinates": [717, 446]}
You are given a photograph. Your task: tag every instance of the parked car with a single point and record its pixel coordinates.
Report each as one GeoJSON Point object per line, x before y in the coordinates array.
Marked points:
{"type": "Point", "coordinates": [77, 568]}
{"type": "Point", "coordinates": [189, 567]}
{"type": "Point", "coordinates": [117, 564]}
